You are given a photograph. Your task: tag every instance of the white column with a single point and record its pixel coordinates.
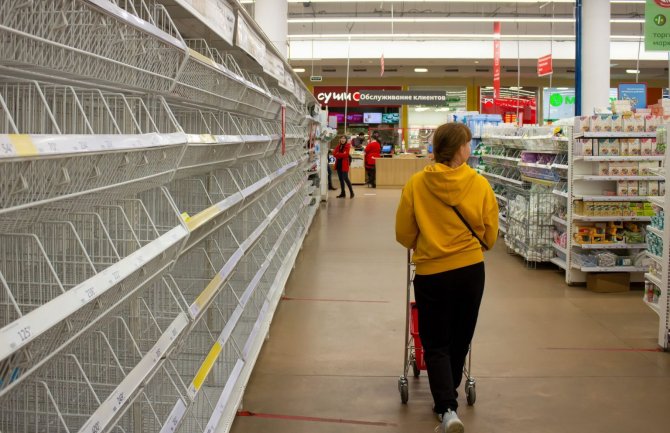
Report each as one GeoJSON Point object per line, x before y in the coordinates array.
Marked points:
{"type": "Point", "coordinates": [272, 17]}
{"type": "Point", "coordinates": [595, 55]}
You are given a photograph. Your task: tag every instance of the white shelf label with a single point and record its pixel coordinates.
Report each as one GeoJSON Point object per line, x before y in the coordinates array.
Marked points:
{"type": "Point", "coordinates": [178, 411]}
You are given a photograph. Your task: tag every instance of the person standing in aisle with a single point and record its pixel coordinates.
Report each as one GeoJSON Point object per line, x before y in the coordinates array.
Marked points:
{"type": "Point", "coordinates": [448, 215]}
{"type": "Point", "coordinates": [358, 142]}
{"type": "Point", "coordinates": [341, 154]}
{"type": "Point", "coordinates": [372, 151]}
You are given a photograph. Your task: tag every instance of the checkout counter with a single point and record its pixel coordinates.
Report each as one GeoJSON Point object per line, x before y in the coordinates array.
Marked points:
{"type": "Point", "coordinates": [394, 172]}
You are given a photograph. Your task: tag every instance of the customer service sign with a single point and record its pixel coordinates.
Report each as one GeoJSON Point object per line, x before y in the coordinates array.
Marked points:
{"type": "Point", "coordinates": [657, 25]}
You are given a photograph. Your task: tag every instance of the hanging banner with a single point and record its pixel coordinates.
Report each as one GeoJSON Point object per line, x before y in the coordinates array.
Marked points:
{"type": "Point", "coordinates": [545, 66]}
{"type": "Point", "coordinates": [636, 93]}
{"type": "Point", "coordinates": [402, 97]}
{"type": "Point", "coordinates": [657, 25]}
{"type": "Point", "coordinates": [496, 60]}
{"type": "Point", "coordinates": [283, 129]}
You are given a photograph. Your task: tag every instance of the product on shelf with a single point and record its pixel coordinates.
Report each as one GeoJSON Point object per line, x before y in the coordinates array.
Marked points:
{"type": "Point", "coordinates": [611, 232]}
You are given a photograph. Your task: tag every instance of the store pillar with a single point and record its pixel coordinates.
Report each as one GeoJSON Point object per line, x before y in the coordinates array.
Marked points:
{"type": "Point", "coordinates": [595, 58]}
{"type": "Point", "coordinates": [272, 16]}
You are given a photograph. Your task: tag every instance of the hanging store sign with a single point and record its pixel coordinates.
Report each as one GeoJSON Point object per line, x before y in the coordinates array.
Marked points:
{"type": "Point", "coordinates": [402, 97]}
{"type": "Point", "coordinates": [335, 96]}
{"type": "Point", "coordinates": [496, 59]}
{"type": "Point", "coordinates": [657, 25]}
{"type": "Point", "coordinates": [636, 93]}
{"type": "Point", "coordinates": [545, 66]}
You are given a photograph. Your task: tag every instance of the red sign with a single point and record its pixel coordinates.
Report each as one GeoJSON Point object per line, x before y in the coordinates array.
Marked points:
{"type": "Point", "coordinates": [335, 96]}
{"type": "Point", "coordinates": [283, 129]}
{"type": "Point", "coordinates": [496, 59]}
{"type": "Point", "coordinates": [544, 66]}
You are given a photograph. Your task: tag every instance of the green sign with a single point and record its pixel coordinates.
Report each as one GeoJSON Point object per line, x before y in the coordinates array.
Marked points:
{"type": "Point", "coordinates": [657, 25]}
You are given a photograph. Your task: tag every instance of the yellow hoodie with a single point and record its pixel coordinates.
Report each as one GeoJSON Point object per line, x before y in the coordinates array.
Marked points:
{"type": "Point", "coordinates": [426, 222]}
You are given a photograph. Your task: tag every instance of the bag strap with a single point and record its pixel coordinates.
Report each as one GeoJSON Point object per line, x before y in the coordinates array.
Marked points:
{"type": "Point", "coordinates": [469, 228]}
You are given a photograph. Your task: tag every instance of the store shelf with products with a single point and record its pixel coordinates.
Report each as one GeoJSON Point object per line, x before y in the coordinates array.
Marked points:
{"type": "Point", "coordinates": [150, 228]}
{"type": "Point", "coordinates": [529, 163]}
{"type": "Point", "coordinates": [611, 181]}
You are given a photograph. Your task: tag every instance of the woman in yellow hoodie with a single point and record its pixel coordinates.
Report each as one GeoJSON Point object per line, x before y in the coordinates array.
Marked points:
{"type": "Point", "coordinates": [448, 215]}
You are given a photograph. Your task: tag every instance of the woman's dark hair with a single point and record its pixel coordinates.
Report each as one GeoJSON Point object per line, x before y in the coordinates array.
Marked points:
{"type": "Point", "coordinates": [448, 139]}
{"type": "Point", "coordinates": [341, 137]}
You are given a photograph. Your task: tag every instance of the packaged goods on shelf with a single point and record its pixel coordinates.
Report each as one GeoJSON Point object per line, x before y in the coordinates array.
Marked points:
{"type": "Point", "coordinates": [652, 293]}
{"type": "Point", "coordinates": [654, 243]}
{"type": "Point", "coordinates": [658, 220]}
{"type": "Point", "coordinates": [608, 233]}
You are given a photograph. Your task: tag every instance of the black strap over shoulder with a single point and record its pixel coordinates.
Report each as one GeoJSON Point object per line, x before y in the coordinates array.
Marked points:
{"type": "Point", "coordinates": [469, 228]}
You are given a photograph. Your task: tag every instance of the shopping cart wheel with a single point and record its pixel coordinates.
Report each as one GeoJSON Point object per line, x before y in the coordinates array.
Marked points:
{"type": "Point", "coordinates": [415, 368]}
{"type": "Point", "coordinates": [470, 392]}
{"type": "Point", "coordinates": [403, 387]}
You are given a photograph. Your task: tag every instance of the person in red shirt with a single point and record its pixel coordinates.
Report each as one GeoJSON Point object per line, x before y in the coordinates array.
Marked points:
{"type": "Point", "coordinates": [372, 151]}
{"type": "Point", "coordinates": [341, 154]}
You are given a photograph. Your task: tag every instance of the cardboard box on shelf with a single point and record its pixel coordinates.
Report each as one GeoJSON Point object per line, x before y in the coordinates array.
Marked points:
{"type": "Point", "coordinates": [603, 147]}
{"type": "Point", "coordinates": [632, 188]}
{"type": "Point", "coordinates": [604, 168]}
{"type": "Point", "coordinates": [646, 147]}
{"type": "Point", "coordinates": [617, 123]}
{"type": "Point", "coordinates": [634, 147]}
{"type": "Point", "coordinates": [611, 282]}
{"type": "Point", "coordinates": [646, 167]}
{"type": "Point", "coordinates": [634, 123]}
{"type": "Point", "coordinates": [656, 148]}
{"type": "Point", "coordinates": [622, 188]}
{"type": "Point", "coordinates": [652, 187]}
{"type": "Point", "coordinates": [615, 147]}
{"type": "Point", "coordinates": [583, 124]}
{"type": "Point", "coordinates": [585, 147]}
{"type": "Point", "coordinates": [625, 146]}
{"type": "Point", "coordinates": [643, 188]}
{"type": "Point", "coordinates": [601, 123]}
{"type": "Point", "coordinates": [651, 122]}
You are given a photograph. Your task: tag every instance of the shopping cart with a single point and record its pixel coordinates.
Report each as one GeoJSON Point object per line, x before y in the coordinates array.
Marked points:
{"type": "Point", "coordinates": [414, 348]}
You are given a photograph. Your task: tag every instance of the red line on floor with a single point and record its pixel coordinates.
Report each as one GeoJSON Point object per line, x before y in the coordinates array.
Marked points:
{"type": "Point", "coordinates": [287, 298]}
{"type": "Point", "coordinates": [606, 349]}
{"type": "Point", "coordinates": [314, 419]}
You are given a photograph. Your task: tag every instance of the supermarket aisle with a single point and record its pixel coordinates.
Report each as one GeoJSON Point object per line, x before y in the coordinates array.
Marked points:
{"type": "Point", "coordinates": [548, 357]}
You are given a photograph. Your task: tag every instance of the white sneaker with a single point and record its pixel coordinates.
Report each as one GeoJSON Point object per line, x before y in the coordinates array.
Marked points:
{"type": "Point", "coordinates": [451, 423]}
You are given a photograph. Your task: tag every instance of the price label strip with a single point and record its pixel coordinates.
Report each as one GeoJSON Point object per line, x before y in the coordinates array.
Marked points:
{"type": "Point", "coordinates": [110, 409]}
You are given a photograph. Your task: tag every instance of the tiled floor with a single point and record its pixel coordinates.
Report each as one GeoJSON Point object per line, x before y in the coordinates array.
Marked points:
{"type": "Point", "coordinates": [547, 357]}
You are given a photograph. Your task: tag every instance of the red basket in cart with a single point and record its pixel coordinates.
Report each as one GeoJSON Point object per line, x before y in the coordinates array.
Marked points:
{"type": "Point", "coordinates": [416, 356]}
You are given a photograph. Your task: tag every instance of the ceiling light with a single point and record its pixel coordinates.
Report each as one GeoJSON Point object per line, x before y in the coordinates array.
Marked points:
{"type": "Point", "coordinates": [299, 70]}
{"type": "Point", "coordinates": [476, 62]}
{"type": "Point", "coordinates": [420, 70]}
{"type": "Point", "coordinates": [562, 88]}
{"type": "Point", "coordinates": [632, 71]}
{"type": "Point", "coordinates": [515, 88]}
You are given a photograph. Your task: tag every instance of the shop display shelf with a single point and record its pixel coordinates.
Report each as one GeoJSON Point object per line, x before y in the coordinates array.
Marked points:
{"type": "Point", "coordinates": [559, 166]}
{"type": "Point", "coordinates": [501, 157]}
{"type": "Point", "coordinates": [658, 201]}
{"type": "Point", "coordinates": [611, 218]}
{"type": "Point", "coordinates": [654, 257]}
{"type": "Point", "coordinates": [615, 178]}
{"type": "Point", "coordinates": [611, 246]}
{"type": "Point", "coordinates": [589, 269]}
{"type": "Point", "coordinates": [502, 178]}
{"type": "Point", "coordinates": [654, 306]}
{"type": "Point", "coordinates": [559, 220]}
{"type": "Point", "coordinates": [563, 194]}
{"type": "Point", "coordinates": [559, 262]}
{"type": "Point", "coordinates": [655, 230]}
{"type": "Point", "coordinates": [611, 197]}
{"type": "Point", "coordinates": [544, 182]}
{"type": "Point", "coordinates": [654, 279]}
{"type": "Point", "coordinates": [589, 158]}
{"type": "Point", "coordinates": [502, 218]}
{"type": "Point", "coordinates": [614, 134]}
{"type": "Point", "coordinates": [502, 228]}
{"type": "Point", "coordinates": [560, 248]}
{"type": "Point", "coordinates": [501, 198]}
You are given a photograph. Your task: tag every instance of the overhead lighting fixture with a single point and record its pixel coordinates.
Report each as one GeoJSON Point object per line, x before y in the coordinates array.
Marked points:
{"type": "Point", "coordinates": [323, 20]}
{"type": "Point", "coordinates": [476, 62]}
{"type": "Point", "coordinates": [562, 88]}
{"type": "Point", "coordinates": [299, 70]}
{"type": "Point", "coordinates": [420, 70]}
{"type": "Point", "coordinates": [515, 88]}
{"type": "Point", "coordinates": [632, 71]}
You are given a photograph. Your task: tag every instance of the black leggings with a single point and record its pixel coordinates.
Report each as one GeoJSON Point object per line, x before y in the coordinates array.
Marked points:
{"type": "Point", "coordinates": [344, 178]}
{"type": "Point", "coordinates": [372, 174]}
{"type": "Point", "coordinates": [448, 305]}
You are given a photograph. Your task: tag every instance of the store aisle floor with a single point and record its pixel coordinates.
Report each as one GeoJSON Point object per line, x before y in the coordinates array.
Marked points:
{"type": "Point", "coordinates": [547, 357]}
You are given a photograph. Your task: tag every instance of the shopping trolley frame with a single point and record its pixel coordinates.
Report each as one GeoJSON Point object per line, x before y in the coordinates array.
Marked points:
{"type": "Point", "coordinates": [410, 348]}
